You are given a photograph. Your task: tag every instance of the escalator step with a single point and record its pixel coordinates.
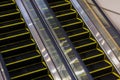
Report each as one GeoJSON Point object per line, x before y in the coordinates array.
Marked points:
{"type": "Point", "coordinates": [84, 45]}
{"type": "Point", "coordinates": [65, 15]}
{"type": "Point", "coordinates": [11, 25]}
{"type": "Point", "coordinates": [28, 72]}
{"type": "Point", "coordinates": [19, 57]}
{"type": "Point", "coordinates": [92, 56]}
{"type": "Point", "coordinates": [110, 76]}
{"type": "Point", "coordinates": [7, 5]}
{"type": "Point", "coordinates": [72, 24]}
{"type": "Point", "coordinates": [60, 5]}
{"type": "Point", "coordinates": [24, 62]}
{"type": "Point", "coordinates": [14, 36]}
{"type": "Point", "coordinates": [13, 46]}
{"type": "Point", "coordinates": [99, 68]}
{"type": "Point", "coordinates": [9, 15]}
{"type": "Point", "coordinates": [78, 34]}
{"type": "Point", "coordinates": [20, 50]}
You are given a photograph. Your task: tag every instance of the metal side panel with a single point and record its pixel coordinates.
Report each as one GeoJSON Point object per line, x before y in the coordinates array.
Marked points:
{"type": "Point", "coordinates": [38, 40]}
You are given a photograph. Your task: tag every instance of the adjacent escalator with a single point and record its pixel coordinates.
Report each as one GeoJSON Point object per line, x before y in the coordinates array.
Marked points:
{"type": "Point", "coordinates": [20, 53]}
{"type": "Point", "coordinates": [88, 48]}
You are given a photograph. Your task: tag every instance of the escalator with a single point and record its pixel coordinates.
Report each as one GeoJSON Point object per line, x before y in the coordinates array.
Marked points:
{"type": "Point", "coordinates": [88, 48]}
{"type": "Point", "coordinates": [22, 58]}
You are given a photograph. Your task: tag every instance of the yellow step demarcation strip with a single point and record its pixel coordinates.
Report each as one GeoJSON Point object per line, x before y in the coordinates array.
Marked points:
{"type": "Point", "coordinates": [23, 67]}
{"type": "Point", "coordinates": [11, 25]}
{"type": "Point", "coordinates": [23, 60]}
{"type": "Point", "coordinates": [9, 14]}
{"type": "Point", "coordinates": [116, 74]}
{"type": "Point", "coordinates": [72, 24]}
{"type": "Point", "coordinates": [38, 51]}
{"type": "Point", "coordinates": [92, 57]}
{"type": "Point", "coordinates": [9, 32]}
{"type": "Point", "coordinates": [28, 73]}
{"type": "Point", "coordinates": [59, 5]}
{"type": "Point", "coordinates": [91, 50]}
{"type": "Point", "coordinates": [105, 75]}
{"type": "Point", "coordinates": [101, 68]}
{"type": "Point", "coordinates": [14, 36]}
{"type": "Point", "coordinates": [77, 29]}
{"type": "Point", "coordinates": [18, 54]}
{"type": "Point", "coordinates": [13, 1]}
{"type": "Point", "coordinates": [50, 77]}
{"type": "Point", "coordinates": [77, 34]}
{"type": "Point", "coordinates": [7, 4]}
{"type": "Point", "coordinates": [85, 45]}
{"type": "Point", "coordinates": [94, 63]}
{"type": "Point", "coordinates": [65, 14]}
{"type": "Point", "coordinates": [17, 48]}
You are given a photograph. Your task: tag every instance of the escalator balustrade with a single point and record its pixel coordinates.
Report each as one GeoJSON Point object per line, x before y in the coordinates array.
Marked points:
{"type": "Point", "coordinates": [88, 48]}
{"type": "Point", "coordinates": [20, 53]}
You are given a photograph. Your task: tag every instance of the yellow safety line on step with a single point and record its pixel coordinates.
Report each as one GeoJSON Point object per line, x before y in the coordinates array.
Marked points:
{"type": "Point", "coordinates": [23, 67]}
{"type": "Point", "coordinates": [99, 69]}
{"type": "Point", "coordinates": [17, 48]}
{"type": "Point", "coordinates": [102, 75]}
{"type": "Point", "coordinates": [65, 14]}
{"type": "Point", "coordinates": [6, 4]}
{"type": "Point", "coordinates": [82, 22]}
{"type": "Point", "coordinates": [28, 73]}
{"type": "Point", "coordinates": [14, 36]}
{"type": "Point", "coordinates": [13, 1]}
{"type": "Point", "coordinates": [92, 57]}
{"type": "Point", "coordinates": [18, 55]}
{"type": "Point", "coordinates": [59, 5]}
{"type": "Point", "coordinates": [22, 60]}
{"type": "Point", "coordinates": [51, 77]}
{"type": "Point", "coordinates": [116, 74]}
{"type": "Point", "coordinates": [11, 25]}
{"type": "Point", "coordinates": [93, 39]}
{"type": "Point", "coordinates": [94, 63]}
{"type": "Point", "coordinates": [77, 34]}
{"type": "Point", "coordinates": [71, 24]}
{"type": "Point", "coordinates": [38, 51]}
{"type": "Point", "coordinates": [85, 45]}
{"type": "Point", "coordinates": [86, 51]}
{"type": "Point", "coordinates": [75, 30]}
{"type": "Point", "coordinates": [109, 64]}
{"type": "Point", "coordinates": [9, 14]}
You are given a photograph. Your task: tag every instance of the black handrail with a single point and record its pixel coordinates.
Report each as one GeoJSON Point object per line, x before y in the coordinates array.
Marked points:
{"type": "Point", "coordinates": [56, 44]}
